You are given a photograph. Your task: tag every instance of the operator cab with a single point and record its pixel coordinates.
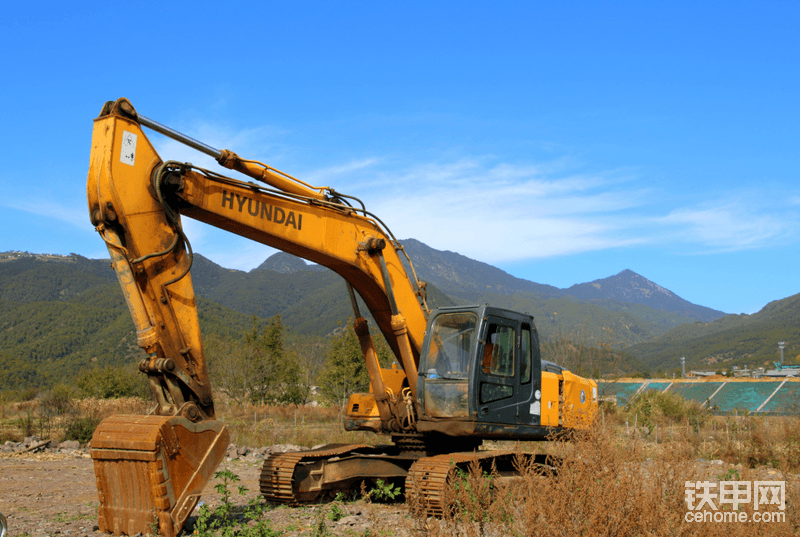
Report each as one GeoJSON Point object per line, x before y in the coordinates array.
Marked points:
{"type": "Point", "coordinates": [480, 370]}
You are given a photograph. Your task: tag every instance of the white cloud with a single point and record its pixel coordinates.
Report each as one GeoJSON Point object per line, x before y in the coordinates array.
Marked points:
{"type": "Point", "coordinates": [490, 210]}
{"type": "Point", "coordinates": [51, 209]}
{"type": "Point", "coordinates": [323, 176]}
{"type": "Point", "coordinates": [505, 212]}
{"type": "Point", "coordinates": [736, 223]}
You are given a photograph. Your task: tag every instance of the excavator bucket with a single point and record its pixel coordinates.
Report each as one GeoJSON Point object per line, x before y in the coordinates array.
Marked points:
{"type": "Point", "coordinates": [151, 470]}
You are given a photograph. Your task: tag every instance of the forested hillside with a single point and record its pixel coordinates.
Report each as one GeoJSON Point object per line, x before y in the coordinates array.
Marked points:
{"type": "Point", "coordinates": [45, 341]}
{"type": "Point", "coordinates": [62, 314]}
{"type": "Point", "coordinates": [732, 340]}
{"type": "Point", "coordinates": [311, 300]}
{"type": "Point", "coordinates": [59, 316]}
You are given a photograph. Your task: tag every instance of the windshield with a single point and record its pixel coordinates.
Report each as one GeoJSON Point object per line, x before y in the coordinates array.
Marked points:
{"type": "Point", "coordinates": [452, 339]}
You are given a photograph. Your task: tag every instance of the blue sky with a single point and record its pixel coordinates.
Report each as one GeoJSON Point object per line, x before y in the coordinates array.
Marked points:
{"type": "Point", "coordinates": [561, 142]}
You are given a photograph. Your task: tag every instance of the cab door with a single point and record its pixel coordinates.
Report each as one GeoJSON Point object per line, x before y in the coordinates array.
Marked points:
{"type": "Point", "coordinates": [530, 389]}
{"type": "Point", "coordinates": [504, 373]}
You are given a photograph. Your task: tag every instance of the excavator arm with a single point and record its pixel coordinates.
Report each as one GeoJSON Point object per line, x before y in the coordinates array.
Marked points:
{"type": "Point", "coordinates": [136, 201]}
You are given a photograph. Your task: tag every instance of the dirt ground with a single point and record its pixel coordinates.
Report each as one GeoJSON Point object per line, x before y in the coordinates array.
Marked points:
{"type": "Point", "coordinates": [55, 494]}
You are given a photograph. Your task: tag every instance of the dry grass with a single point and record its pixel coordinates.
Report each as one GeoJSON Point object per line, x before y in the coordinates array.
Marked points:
{"type": "Point", "coordinates": [48, 419]}
{"type": "Point", "coordinates": [303, 426]}
{"type": "Point", "coordinates": [626, 476]}
{"type": "Point", "coordinates": [664, 421]}
{"type": "Point", "coordinates": [253, 426]}
{"type": "Point", "coordinates": [613, 482]}
{"type": "Point", "coordinates": [102, 408]}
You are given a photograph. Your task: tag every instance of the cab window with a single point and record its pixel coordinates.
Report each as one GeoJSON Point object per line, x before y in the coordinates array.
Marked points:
{"type": "Point", "coordinates": [452, 339]}
{"type": "Point", "coordinates": [525, 358]}
{"type": "Point", "coordinates": [447, 365]}
{"type": "Point", "coordinates": [498, 352]}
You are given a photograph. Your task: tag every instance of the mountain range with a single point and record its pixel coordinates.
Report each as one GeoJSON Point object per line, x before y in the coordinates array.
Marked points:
{"type": "Point", "coordinates": [59, 314]}
{"type": "Point", "coordinates": [465, 278]}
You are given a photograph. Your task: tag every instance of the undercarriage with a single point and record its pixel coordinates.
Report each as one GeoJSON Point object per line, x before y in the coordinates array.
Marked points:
{"type": "Point", "coordinates": [320, 474]}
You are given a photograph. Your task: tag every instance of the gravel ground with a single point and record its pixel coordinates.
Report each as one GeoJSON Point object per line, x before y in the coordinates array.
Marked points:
{"type": "Point", "coordinates": [54, 493]}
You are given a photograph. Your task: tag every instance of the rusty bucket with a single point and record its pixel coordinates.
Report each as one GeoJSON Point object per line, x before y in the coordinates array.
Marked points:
{"type": "Point", "coordinates": [151, 470]}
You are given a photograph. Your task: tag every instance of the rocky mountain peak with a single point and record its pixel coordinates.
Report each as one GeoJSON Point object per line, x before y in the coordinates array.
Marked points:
{"type": "Point", "coordinates": [628, 286]}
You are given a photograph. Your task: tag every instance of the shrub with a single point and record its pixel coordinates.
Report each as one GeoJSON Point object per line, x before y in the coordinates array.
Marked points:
{"type": "Point", "coordinates": [652, 407]}
{"type": "Point", "coordinates": [22, 394]}
{"type": "Point", "coordinates": [58, 400]}
{"type": "Point", "coordinates": [81, 428]}
{"type": "Point", "coordinates": [112, 383]}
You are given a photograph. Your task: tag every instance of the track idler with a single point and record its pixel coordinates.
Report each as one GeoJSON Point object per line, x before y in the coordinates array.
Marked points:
{"type": "Point", "coordinates": [151, 470]}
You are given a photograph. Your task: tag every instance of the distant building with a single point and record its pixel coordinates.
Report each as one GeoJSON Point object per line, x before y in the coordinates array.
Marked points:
{"type": "Point", "coordinates": [755, 373]}
{"type": "Point", "coordinates": [703, 373]}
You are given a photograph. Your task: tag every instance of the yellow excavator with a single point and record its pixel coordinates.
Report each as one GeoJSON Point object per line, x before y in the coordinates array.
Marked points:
{"type": "Point", "coordinates": [467, 373]}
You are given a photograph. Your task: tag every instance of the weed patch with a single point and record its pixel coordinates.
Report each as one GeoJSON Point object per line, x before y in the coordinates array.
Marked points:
{"type": "Point", "coordinates": [230, 520]}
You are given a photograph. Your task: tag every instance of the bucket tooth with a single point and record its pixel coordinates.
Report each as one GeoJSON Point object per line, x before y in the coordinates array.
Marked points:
{"type": "Point", "coordinates": [151, 470]}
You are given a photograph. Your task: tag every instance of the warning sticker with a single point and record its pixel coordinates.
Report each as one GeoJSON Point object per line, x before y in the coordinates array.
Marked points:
{"type": "Point", "coordinates": [127, 154]}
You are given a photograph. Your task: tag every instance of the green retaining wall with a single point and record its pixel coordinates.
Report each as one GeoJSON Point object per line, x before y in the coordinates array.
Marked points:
{"type": "Point", "coordinates": [623, 390]}
{"type": "Point", "coordinates": [658, 385]}
{"type": "Point", "coordinates": [733, 396]}
{"type": "Point", "coordinates": [744, 395]}
{"type": "Point", "coordinates": [786, 401]}
{"type": "Point", "coordinates": [695, 391]}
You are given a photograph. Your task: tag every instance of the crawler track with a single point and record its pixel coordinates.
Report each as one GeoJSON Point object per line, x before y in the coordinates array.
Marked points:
{"type": "Point", "coordinates": [277, 475]}
{"type": "Point", "coordinates": [307, 476]}
{"type": "Point", "coordinates": [428, 478]}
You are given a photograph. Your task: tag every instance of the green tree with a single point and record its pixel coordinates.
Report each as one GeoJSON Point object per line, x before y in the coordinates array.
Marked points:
{"type": "Point", "coordinates": [311, 351]}
{"type": "Point", "coordinates": [269, 364]}
{"type": "Point", "coordinates": [344, 372]}
{"type": "Point", "coordinates": [293, 387]}
{"type": "Point", "coordinates": [277, 375]}
{"type": "Point", "coordinates": [228, 367]}
{"type": "Point", "coordinates": [258, 369]}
